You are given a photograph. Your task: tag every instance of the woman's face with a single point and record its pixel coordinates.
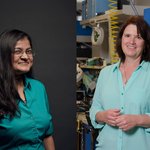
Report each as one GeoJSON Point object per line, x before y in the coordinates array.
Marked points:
{"type": "Point", "coordinates": [132, 42]}
{"type": "Point", "coordinates": [22, 57]}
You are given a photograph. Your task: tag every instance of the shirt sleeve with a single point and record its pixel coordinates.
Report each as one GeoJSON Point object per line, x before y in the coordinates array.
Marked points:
{"type": "Point", "coordinates": [96, 103]}
{"type": "Point", "coordinates": [49, 131]}
{"type": "Point", "coordinates": [147, 129]}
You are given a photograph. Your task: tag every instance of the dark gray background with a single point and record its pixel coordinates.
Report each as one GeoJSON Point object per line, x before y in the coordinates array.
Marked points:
{"type": "Point", "coordinates": [51, 24]}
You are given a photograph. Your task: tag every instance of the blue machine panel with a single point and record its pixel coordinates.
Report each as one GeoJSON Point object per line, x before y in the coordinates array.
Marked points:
{"type": "Point", "coordinates": [87, 31]}
{"type": "Point", "coordinates": [101, 6]}
{"type": "Point", "coordinates": [147, 15]}
{"type": "Point", "coordinates": [91, 8]}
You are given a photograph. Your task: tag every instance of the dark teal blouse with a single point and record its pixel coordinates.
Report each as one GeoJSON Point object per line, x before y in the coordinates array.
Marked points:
{"type": "Point", "coordinates": [27, 131]}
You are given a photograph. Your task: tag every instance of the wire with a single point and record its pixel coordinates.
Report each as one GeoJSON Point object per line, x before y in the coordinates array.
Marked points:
{"type": "Point", "coordinates": [133, 7]}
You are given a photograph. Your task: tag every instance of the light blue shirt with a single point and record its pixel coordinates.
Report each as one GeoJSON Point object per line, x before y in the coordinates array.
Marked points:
{"type": "Point", "coordinates": [134, 98]}
{"type": "Point", "coordinates": [27, 130]}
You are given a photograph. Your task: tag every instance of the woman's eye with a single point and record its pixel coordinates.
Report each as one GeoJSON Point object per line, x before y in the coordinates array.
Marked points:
{"type": "Point", "coordinates": [17, 51]}
{"type": "Point", "coordinates": [127, 35]}
{"type": "Point", "coordinates": [139, 37]}
{"type": "Point", "coordinates": [29, 52]}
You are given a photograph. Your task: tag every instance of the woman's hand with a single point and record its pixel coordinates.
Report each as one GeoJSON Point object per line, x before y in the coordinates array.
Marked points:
{"type": "Point", "coordinates": [109, 116]}
{"type": "Point", "coordinates": [113, 117]}
{"type": "Point", "coordinates": [126, 122]}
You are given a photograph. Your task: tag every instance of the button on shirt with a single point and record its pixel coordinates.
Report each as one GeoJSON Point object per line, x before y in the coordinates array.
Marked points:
{"type": "Point", "coordinates": [27, 130]}
{"type": "Point", "coordinates": [133, 98]}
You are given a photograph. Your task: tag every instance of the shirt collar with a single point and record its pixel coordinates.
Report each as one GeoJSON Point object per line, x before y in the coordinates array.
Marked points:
{"type": "Point", "coordinates": [116, 66]}
{"type": "Point", "coordinates": [144, 65]}
{"type": "Point", "coordinates": [27, 83]}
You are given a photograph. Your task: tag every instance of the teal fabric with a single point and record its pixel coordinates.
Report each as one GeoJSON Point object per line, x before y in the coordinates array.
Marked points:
{"type": "Point", "coordinates": [134, 98]}
{"type": "Point", "coordinates": [27, 131]}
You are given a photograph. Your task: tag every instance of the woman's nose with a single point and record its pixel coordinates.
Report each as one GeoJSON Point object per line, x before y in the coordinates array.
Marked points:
{"type": "Point", "coordinates": [24, 55]}
{"type": "Point", "coordinates": [132, 40]}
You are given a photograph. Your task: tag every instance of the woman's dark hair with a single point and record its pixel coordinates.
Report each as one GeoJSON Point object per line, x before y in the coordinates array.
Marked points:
{"type": "Point", "coordinates": [143, 29]}
{"type": "Point", "coordinates": [8, 90]}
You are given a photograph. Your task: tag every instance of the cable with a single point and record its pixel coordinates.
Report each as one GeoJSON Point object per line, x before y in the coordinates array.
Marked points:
{"type": "Point", "coordinates": [133, 7]}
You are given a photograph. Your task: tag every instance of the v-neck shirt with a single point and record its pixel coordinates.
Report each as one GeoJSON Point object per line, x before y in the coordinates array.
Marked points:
{"type": "Point", "coordinates": [133, 98]}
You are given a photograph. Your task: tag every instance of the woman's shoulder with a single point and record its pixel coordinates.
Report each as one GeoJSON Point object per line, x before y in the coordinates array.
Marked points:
{"type": "Point", "coordinates": [109, 68]}
{"type": "Point", "coordinates": [34, 82]}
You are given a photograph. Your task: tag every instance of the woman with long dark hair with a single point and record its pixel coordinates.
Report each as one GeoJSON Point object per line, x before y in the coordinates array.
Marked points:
{"type": "Point", "coordinates": [25, 121]}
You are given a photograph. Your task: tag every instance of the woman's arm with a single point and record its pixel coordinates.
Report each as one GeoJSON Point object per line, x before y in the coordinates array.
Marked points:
{"type": "Point", "coordinates": [143, 121]}
{"type": "Point", "coordinates": [49, 143]}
